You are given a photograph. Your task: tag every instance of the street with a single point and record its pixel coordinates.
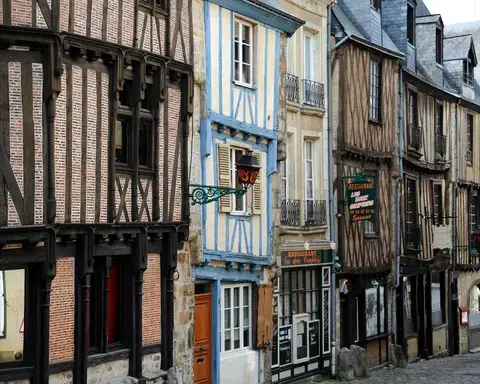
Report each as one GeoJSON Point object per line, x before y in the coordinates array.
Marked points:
{"type": "Point", "coordinates": [464, 369]}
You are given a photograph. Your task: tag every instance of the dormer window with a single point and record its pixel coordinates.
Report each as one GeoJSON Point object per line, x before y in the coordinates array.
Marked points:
{"type": "Point", "coordinates": [439, 46]}
{"type": "Point", "coordinates": [411, 23]}
{"type": "Point", "coordinates": [375, 4]}
{"type": "Point", "coordinates": [468, 68]}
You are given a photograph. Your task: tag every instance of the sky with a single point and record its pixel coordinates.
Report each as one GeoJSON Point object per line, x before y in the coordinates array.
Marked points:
{"type": "Point", "coordinates": [455, 11]}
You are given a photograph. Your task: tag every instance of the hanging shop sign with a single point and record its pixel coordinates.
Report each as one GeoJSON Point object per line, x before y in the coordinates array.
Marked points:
{"type": "Point", "coordinates": [361, 199]}
{"type": "Point", "coordinates": [300, 258]}
{"type": "Point", "coordinates": [313, 338]}
{"type": "Point", "coordinates": [285, 344]}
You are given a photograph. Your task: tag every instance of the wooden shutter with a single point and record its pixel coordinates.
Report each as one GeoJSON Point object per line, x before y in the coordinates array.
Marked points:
{"type": "Point", "coordinates": [224, 176]}
{"type": "Point", "coordinates": [265, 316]}
{"type": "Point", "coordinates": [257, 188]}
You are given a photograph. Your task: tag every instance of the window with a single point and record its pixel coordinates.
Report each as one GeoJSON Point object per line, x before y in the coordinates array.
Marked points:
{"type": "Point", "coordinates": [284, 180]}
{"type": "Point", "coordinates": [236, 319]}
{"type": "Point", "coordinates": [468, 69]}
{"type": "Point", "coordinates": [375, 308]}
{"type": "Point", "coordinates": [439, 115]}
{"type": "Point", "coordinates": [291, 54]}
{"type": "Point", "coordinates": [308, 56]}
{"type": "Point", "coordinates": [437, 198]}
{"type": "Point", "coordinates": [369, 227]}
{"type": "Point", "coordinates": [243, 52]}
{"type": "Point", "coordinates": [239, 202]}
{"type": "Point", "coordinates": [414, 133]}
{"type": "Point", "coordinates": [473, 210]}
{"type": "Point", "coordinates": [412, 109]}
{"type": "Point", "coordinates": [410, 305]}
{"type": "Point", "coordinates": [374, 101]}
{"type": "Point", "coordinates": [439, 46]}
{"type": "Point", "coordinates": [153, 5]}
{"type": "Point", "coordinates": [411, 215]}
{"type": "Point", "coordinates": [12, 314]}
{"type": "Point", "coordinates": [308, 176]}
{"type": "Point", "coordinates": [438, 298]}
{"type": "Point", "coordinates": [411, 24]}
{"type": "Point", "coordinates": [469, 158]}
{"type": "Point", "coordinates": [105, 311]}
{"type": "Point", "coordinates": [376, 4]}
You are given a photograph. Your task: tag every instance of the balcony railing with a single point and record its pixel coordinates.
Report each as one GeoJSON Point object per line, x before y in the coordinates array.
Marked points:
{"type": "Point", "coordinates": [313, 94]}
{"type": "Point", "coordinates": [415, 137]}
{"type": "Point", "coordinates": [290, 213]}
{"type": "Point", "coordinates": [292, 88]}
{"type": "Point", "coordinates": [316, 213]}
{"type": "Point", "coordinates": [414, 237]}
{"type": "Point", "coordinates": [468, 79]}
{"type": "Point", "coordinates": [469, 157]}
{"type": "Point", "coordinates": [441, 144]}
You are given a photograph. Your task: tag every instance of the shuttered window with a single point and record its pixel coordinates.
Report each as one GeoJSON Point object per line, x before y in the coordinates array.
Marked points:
{"type": "Point", "coordinates": [243, 52]}
{"type": "Point", "coordinates": [257, 189]}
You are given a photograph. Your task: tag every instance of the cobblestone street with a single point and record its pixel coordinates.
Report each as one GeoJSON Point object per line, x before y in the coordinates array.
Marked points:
{"type": "Point", "coordinates": [464, 369]}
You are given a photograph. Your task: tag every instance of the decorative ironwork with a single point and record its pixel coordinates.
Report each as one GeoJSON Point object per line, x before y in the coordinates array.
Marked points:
{"type": "Point", "coordinates": [290, 212]}
{"type": "Point", "coordinates": [292, 85]}
{"type": "Point", "coordinates": [204, 194]}
{"type": "Point", "coordinates": [315, 213]}
{"type": "Point", "coordinates": [313, 94]}
{"type": "Point", "coordinates": [415, 137]}
{"type": "Point", "coordinates": [414, 235]}
{"type": "Point", "coordinates": [441, 144]}
{"type": "Point", "coordinates": [469, 157]}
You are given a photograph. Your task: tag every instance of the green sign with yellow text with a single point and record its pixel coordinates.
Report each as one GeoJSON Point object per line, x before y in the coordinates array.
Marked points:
{"type": "Point", "coordinates": [361, 199]}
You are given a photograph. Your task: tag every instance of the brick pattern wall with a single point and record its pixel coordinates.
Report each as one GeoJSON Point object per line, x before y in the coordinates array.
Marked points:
{"type": "Point", "coordinates": [22, 14]}
{"type": "Point", "coordinates": [62, 311]}
{"type": "Point", "coordinates": [151, 321]}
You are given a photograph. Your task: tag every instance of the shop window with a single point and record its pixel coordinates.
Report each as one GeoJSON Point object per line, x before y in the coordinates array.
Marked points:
{"type": "Point", "coordinates": [438, 298]}
{"type": "Point", "coordinates": [236, 313]}
{"type": "Point", "coordinates": [104, 310]}
{"type": "Point", "coordinates": [410, 305]}
{"type": "Point", "coordinates": [375, 308]}
{"type": "Point", "coordinates": [12, 315]}
{"type": "Point", "coordinates": [370, 228]}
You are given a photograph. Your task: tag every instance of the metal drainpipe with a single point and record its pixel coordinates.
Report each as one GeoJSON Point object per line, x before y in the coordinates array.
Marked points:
{"type": "Point", "coordinates": [330, 189]}
{"type": "Point", "coordinates": [399, 184]}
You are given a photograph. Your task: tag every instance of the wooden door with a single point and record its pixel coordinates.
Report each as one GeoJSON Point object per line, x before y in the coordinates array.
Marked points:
{"type": "Point", "coordinates": [202, 357]}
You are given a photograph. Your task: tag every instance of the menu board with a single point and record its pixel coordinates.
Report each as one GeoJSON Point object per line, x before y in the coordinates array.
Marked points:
{"type": "Point", "coordinates": [285, 344]}
{"type": "Point", "coordinates": [313, 338]}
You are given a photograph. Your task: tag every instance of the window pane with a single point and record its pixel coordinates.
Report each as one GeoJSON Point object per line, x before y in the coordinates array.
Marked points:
{"type": "Point", "coordinates": [227, 298]}
{"type": "Point", "coordinates": [246, 58]}
{"type": "Point", "coordinates": [246, 337]}
{"type": "Point", "coordinates": [237, 52]}
{"type": "Point", "coordinates": [227, 318]}
{"type": "Point", "coordinates": [145, 142]}
{"type": "Point", "coordinates": [236, 339]}
{"type": "Point", "coordinates": [308, 279]}
{"type": "Point", "coordinates": [12, 312]}
{"type": "Point", "coordinates": [236, 297]}
{"type": "Point", "coordinates": [302, 347]}
{"type": "Point", "coordinates": [121, 145]}
{"type": "Point", "coordinates": [246, 74]}
{"type": "Point", "coordinates": [371, 311]}
{"type": "Point", "coordinates": [245, 296]}
{"type": "Point", "coordinates": [246, 34]}
{"type": "Point", "coordinates": [228, 341]}
{"type": "Point", "coordinates": [237, 30]}
{"type": "Point", "coordinates": [236, 317]}
{"type": "Point", "coordinates": [237, 71]}
{"type": "Point", "coordinates": [383, 327]}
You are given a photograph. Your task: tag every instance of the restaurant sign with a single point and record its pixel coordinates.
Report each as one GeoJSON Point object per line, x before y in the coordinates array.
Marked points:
{"type": "Point", "coordinates": [361, 199]}
{"type": "Point", "coordinates": [300, 258]}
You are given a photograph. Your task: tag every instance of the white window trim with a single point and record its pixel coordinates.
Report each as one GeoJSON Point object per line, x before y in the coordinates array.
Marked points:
{"type": "Point", "coordinates": [297, 319]}
{"type": "Point", "coordinates": [242, 22]}
{"type": "Point", "coordinates": [242, 326]}
{"type": "Point", "coordinates": [305, 140]}
{"type": "Point", "coordinates": [233, 178]}
{"type": "Point", "coordinates": [309, 65]}
{"type": "Point", "coordinates": [286, 164]}
{"type": "Point", "coordinates": [325, 282]}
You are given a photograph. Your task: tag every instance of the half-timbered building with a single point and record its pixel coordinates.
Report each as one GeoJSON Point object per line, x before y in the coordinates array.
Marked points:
{"type": "Point", "coordinates": [95, 100]}
{"type": "Point", "coordinates": [240, 76]}
{"type": "Point", "coordinates": [365, 79]}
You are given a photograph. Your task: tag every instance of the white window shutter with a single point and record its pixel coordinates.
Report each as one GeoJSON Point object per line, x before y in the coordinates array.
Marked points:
{"type": "Point", "coordinates": [257, 187]}
{"type": "Point", "coordinates": [224, 176]}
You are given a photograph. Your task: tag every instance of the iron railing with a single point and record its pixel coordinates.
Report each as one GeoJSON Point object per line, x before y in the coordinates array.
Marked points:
{"type": "Point", "coordinates": [414, 237]}
{"type": "Point", "coordinates": [315, 213]}
{"type": "Point", "coordinates": [292, 85]}
{"type": "Point", "coordinates": [290, 213]}
{"type": "Point", "coordinates": [469, 157]}
{"type": "Point", "coordinates": [468, 79]}
{"type": "Point", "coordinates": [313, 94]}
{"type": "Point", "coordinates": [415, 137]}
{"type": "Point", "coordinates": [441, 144]}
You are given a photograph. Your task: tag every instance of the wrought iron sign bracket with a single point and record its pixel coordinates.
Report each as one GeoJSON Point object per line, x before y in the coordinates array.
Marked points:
{"type": "Point", "coordinates": [204, 194]}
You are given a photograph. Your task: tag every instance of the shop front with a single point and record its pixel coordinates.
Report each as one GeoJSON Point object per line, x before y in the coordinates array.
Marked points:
{"type": "Point", "coordinates": [302, 315]}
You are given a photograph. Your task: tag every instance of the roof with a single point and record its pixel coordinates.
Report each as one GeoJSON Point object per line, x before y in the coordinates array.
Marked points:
{"type": "Point", "coordinates": [422, 9]}
{"type": "Point", "coordinates": [457, 47]}
{"type": "Point", "coordinates": [353, 33]}
{"type": "Point", "coordinates": [428, 19]}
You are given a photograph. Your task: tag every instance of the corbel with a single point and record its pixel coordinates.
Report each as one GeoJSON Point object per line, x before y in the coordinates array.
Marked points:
{"type": "Point", "coordinates": [228, 265]}
{"type": "Point", "coordinates": [233, 132]}
{"type": "Point", "coordinates": [258, 140]}
{"type": "Point", "coordinates": [220, 128]}
{"type": "Point", "coordinates": [246, 136]}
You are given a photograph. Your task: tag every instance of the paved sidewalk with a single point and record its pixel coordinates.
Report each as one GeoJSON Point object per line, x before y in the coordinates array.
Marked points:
{"type": "Point", "coordinates": [463, 369]}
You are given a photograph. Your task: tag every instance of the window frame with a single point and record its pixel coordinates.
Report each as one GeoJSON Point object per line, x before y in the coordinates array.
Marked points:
{"type": "Point", "coordinates": [437, 214]}
{"type": "Point", "coordinates": [234, 181]}
{"type": "Point", "coordinates": [411, 35]}
{"type": "Point", "coordinates": [441, 287]}
{"type": "Point", "coordinates": [376, 5]}
{"type": "Point", "coordinates": [308, 63]}
{"type": "Point", "coordinates": [311, 160]}
{"type": "Point", "coordinates": [439, 46]}
{"type": "Point", "coordinates": [242, 22]}
{"type": "Point", "coordinates": [242, 326]}
{"type": "Point", "coordinates": [375, 109]}
{"type": "Point", "coordinates": [379, 298]}
{"type": "Point", "coordinates": [154, 6]}
{"type": "Point", "coordinates": [412, 322]}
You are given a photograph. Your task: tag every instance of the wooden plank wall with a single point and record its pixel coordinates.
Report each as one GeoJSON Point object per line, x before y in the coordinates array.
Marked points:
{"type": "Point", "coordinates": [463, 225]}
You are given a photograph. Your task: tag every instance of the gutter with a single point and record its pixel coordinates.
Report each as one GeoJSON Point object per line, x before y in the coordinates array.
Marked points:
{"type": "Point", "coordinates": [333, 330]}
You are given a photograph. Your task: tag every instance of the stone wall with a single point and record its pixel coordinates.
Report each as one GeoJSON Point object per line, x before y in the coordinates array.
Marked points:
{"type": "Point", "coordinates": [466, 281]}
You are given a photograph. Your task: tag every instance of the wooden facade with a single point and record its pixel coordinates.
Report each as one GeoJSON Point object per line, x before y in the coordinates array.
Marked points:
{"type": "Point", "coordinates": [367, 146]}
{"type": "Point", "coordinates": [95, 100]}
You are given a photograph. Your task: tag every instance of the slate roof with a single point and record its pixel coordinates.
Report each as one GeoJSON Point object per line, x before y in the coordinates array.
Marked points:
{"type": "Point", "coordinates": [427, 19]}
{"type": "Point", "coordinates": [353, 33]}
{"type": "Point", "coordinates": [456, 47]}
{"type": "Point", "coordinates": [422, 9]}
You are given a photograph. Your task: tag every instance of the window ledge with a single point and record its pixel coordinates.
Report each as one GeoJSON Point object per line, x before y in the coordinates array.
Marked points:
{"type": "Point", "coordinates": [243, 85]}
{"type": "Point", "coordinates": [240, 214]}
{"type": "Point", "coordinates": [372, 236]}
{"type": "Point", "coordinates": [440, 66]}
{"type": "Point", "coordinates": [411, 45]}
{"type": "Point", "coordinates": [375, 122]}
{"type": "Point", "coordinates": [101, 358]}
{"type": "Point", "coordinates": [439, 326]}
{"type": "Point", "coordinates": [236, 352]}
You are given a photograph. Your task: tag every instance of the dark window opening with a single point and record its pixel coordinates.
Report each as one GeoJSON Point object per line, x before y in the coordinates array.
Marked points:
{"type": "Point", "coordinates": [439, 46]}
{"type": "Point", "coordinates": [413, 233]}
{"type": "Point", "coordinates": [468, 69]}
{"type": "Point", "coordinates": [412, 109]}
{"type": "Point", "coordinates": [410, 305]}
{"type": "Point", "coordinates": [125, 95]}
{"type": "Point", "coordinates": [122, 132]}
{"type": "Point", "coordinates": [376, 312]}
{"type": "Point", "coordinates": [439, 124]}
{"type": "Point", "coordinates": [145, 144]}
{"type": "Point", "coordinates": [411, 24]}
{"type": "Point", "coordinates": [437, 205]}
{"type": "Point", "coordinates": [154, 5]}
{"type": "Point", "coordinates": [105, 309]}
{"type": "Point", "coordinates": [376, 4]}
{"type": "Point", "coordinates": [375, 87]}
{"type": "Point", "coordinates": [438, 298]}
